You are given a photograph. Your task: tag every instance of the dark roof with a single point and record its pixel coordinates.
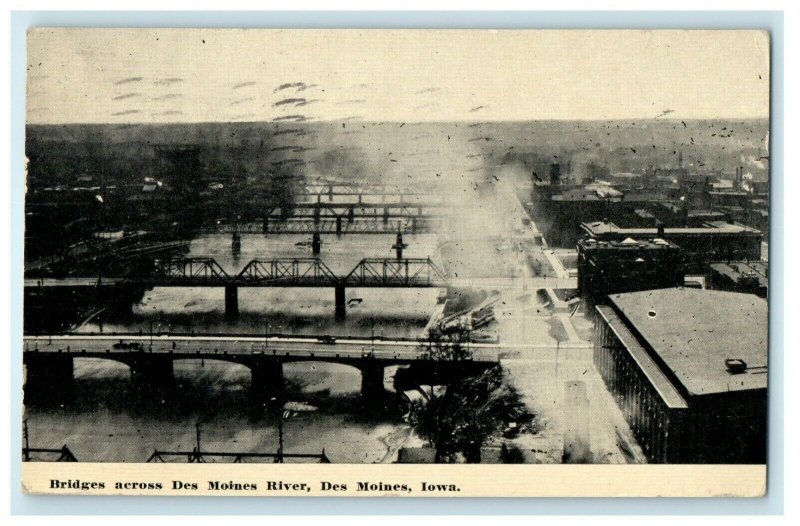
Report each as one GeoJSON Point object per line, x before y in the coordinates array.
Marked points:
{"type": "Point", "coordinates": [738, 269]}
{"type": "Point", "coordinates": [694, 331]}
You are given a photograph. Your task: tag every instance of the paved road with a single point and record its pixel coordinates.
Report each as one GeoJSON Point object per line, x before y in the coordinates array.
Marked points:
{"type": "Point", "coordinates": [294, 347]}
{"type": "Point", "coordinates": [526, 283]}
{"type": "Point", "coordinates": [70, 282]}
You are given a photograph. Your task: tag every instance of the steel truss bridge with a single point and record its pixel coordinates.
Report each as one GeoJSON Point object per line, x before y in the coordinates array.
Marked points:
{"type": "Point", "coordinates": [275, 272]}
{"type": "Point", "coordinates": [295, 272]}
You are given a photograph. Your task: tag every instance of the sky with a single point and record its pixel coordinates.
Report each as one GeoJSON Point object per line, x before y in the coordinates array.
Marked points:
{"type": "Point", "coordinates": [217, 75]}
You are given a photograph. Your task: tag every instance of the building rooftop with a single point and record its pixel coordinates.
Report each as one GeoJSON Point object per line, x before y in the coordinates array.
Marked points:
{"type": "Point", "coordinates": [730, 193]}
{"type": "Point", "coordinates": [629, 243]}
{"type": "Point", "coordinates": [696, 333]}
{"type": "Point", "coordinates": [721, 227]}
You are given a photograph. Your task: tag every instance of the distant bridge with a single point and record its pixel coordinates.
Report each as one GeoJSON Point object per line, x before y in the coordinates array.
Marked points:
{"type": "Point", "coordinates": [49, 359]}
{"type": "Point", "coordinates": [328, 225]}
{"type": "Point", "coordinates": [338, 217]}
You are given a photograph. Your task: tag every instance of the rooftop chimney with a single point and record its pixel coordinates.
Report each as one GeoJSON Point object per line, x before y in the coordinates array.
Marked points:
{"type": "Point", "coordinates": [735, 365]}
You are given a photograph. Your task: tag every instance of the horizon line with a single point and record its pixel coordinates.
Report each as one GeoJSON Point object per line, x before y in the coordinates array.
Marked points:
{"type": "Point", "coordinates": [394, 121]}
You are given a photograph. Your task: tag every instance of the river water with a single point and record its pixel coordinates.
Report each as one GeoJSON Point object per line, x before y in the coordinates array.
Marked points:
{"type": "Point", "coordinates": [387, 312]}
{"type": "Point", "coordinates": [102, 422]}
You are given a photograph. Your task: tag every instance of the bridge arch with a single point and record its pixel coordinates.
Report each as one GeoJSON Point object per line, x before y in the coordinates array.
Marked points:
{"type": "Point", "coordinates": [230, 374]}
{"type": "Point", "coordinates": [94, 366]}
{"type": "Point", "coordinates": [337, 377]}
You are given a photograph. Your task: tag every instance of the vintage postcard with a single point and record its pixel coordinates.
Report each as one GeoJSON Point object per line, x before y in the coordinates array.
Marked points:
{"type": "Point", "coordinates": [396, 262]}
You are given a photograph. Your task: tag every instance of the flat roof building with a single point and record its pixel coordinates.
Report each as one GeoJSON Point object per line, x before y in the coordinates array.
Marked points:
{"type": "Point", "coordinates": [689, 370]}
{"type": "Point", "coordinates": [740, 276]}
{"type": "Point", "coordinates": [714, 241]}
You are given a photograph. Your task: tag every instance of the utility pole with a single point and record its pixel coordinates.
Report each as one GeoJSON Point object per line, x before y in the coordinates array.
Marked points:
{"type": "Point", "coordinates": [280, 438]}
{"type": "Point", "coordinates": [197, 456]}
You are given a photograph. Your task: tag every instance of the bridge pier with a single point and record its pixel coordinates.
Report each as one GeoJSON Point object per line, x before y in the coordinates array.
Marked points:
{"type": "Point", "coordinates": [47, 376]}
{"type": "Point", "coordinates": [265, 225]}
{"type": "Point", "coordinates": [152, 373]}
{"type": "Point", "coordinates": [266, 380]}
{"type": "Point", "coordinates": [372, 390]}
{"type": "Point", "coordinates": [386, 216]}
{"type": "Point", "coordinates": [338, 226]}
{"type": "Point", "coordinates": [236, 244]}
{"type": "Point", "coordinates": [231, 302]}
{"type": "Point", "coordinates": [316, 244]}
{"type": "Point", "coordinates": [340, 303]}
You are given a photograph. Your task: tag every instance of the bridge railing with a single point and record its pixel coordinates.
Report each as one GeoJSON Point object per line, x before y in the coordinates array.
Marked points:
{"type": "Point", "coordinates": [288, 272]}
{"type": "Point", "coordinates": [190, 270]}
{"type": "Point", "coordinates": [327, 225]}
{"type": "Point", "coordinates": [306, 271]}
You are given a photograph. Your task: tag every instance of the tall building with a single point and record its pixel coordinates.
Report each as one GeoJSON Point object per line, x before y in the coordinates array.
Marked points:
{"type": "Point", "coordinates": [607, 267]}
{"type": "Point", "coordinates": [689, 370]}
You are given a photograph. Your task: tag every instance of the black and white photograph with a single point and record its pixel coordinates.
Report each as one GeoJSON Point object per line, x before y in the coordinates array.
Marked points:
{"type": "Point", "coordinates": [348, 246]}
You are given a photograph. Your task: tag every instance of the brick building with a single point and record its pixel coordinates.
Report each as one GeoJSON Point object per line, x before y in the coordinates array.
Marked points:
{"type": "Point", "coordinates": [607, 267]}
{"type": "Point", "coordinates": [689, 371]}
